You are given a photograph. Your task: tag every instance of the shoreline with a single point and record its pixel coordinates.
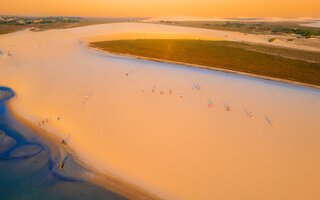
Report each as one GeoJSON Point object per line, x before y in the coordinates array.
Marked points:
{"type": "Point", "coordinates": [183, 64]}
{"type": "Point", "coordinates": [106, 181]}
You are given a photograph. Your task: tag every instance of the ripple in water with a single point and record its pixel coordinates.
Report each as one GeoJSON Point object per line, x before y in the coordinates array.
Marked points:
{"type": "Point", "coordinates": [26, 151]}
{"type": "Point", "coordinates": [6, 142]}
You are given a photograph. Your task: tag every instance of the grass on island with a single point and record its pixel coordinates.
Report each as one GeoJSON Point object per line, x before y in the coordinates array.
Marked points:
{"type": "Point", "coordinates": [4, 29]}
{"type": "Point", "coordinates": [243, 57]}
{"type": "Point", "coordinates": [276, 28]}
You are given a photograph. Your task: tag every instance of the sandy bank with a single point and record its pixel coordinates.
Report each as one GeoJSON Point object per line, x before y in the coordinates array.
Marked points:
{"type": "Point", "coordinates": [233, 19]}
{"type": "Point", "coordinates": [313, 24]}
{"type": "Point", "coordinates": [80, 170]}
{"type": "Point", "coordinates": [29, 155]}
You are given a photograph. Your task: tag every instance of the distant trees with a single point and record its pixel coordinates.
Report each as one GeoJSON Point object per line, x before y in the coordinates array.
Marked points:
{"type": "Point", "coordinates": [17, 20]}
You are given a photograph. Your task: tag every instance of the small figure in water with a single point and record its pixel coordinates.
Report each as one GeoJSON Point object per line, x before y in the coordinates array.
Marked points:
{"type": "Point", "coordinates": [153, 89]}
{"type": "Point", "coordinates": [196, 86]}
{"type": "Point", "coordinates": [270, 121]}
{"type": "Point", "coordinates": [210, 103]}
{"type": "Point", "coordinates": [65, 140]}
{"type": "Point", "coordinates": [249, 114]}
{"type": "Point", "coordinates": [87, 97]}
{"type": "Point", "coordinates": [61, 165]}
{"type": "Point", "coordinates": [227, 107]}
{"type": "Point", "coordinates": [128, 73]}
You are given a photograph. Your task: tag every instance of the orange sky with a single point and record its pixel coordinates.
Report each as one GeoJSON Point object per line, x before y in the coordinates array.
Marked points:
{"type": "Point", "coordinates": [142, 8]}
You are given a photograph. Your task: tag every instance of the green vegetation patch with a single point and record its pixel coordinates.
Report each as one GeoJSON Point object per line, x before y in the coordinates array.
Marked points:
{"type": "Point", "coordinates": [235, 56]}
{"type": "Point", "coordinates": [276, 28]}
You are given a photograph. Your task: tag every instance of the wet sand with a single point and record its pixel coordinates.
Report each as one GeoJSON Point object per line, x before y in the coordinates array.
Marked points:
{"type": "Point", "coordinates": [28, 164]}
{"type": "Point", "coordinates": [177, 132]}
{"type": "Point", "coordinates": [76, 175]}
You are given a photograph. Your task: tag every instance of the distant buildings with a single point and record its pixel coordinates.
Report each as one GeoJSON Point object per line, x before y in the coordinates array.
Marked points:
{"type": "Point", "coordinates": [21, 22]}
{"type": "Point", "coordinates": [17, 20]}
{"type": "Point", "coordinates": [36, 21]}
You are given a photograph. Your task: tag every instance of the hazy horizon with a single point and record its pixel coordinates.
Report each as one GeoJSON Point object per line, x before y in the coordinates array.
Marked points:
{"type": "Point", "coordinates": [144, 8]}
{"type": "Point", "coordinates": [160, 16]}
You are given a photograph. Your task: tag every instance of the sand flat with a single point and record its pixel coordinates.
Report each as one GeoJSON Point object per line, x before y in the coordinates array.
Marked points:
{"type": "Point", "coordinates": [313, 24]}
{"type": "Point", "coordinates": [171, 144]}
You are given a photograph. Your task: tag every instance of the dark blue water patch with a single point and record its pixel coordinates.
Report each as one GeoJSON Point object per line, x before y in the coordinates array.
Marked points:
{"type": "Point", "coordinates": [26, 151]}
{"type": "Point", "coordinates": [29, 168]}
{"type": "Point", "coordinates": [6, 143]}
{"type": "Point", "coordinates": [5, 94]}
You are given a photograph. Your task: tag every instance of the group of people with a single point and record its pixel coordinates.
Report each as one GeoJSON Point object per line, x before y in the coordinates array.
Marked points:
{"type": "Point", "coordinates": [47, 121]}
{"type": "Point", "coordinates": [197, 87]}
{"type": "Point", "coordinates": [43, 122]}
{"type": "Point", "coordinates": [62, 162]}
{"type": "Point", "coordinates": [63, 142]}
{"type": "Point", "coordinates": [8, 53]}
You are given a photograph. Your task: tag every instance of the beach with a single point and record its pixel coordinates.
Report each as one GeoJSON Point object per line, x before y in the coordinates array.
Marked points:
{"type": "Point", "coordinates": [28, 162]}
{"type": "Point", "coordinates": [172, 131]}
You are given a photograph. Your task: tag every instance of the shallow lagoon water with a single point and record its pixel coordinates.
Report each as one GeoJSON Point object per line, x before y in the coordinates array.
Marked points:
{"type": "Point", "coordinates": [28, 167]}
{"type": "Point", "coordinates": [172, 145]}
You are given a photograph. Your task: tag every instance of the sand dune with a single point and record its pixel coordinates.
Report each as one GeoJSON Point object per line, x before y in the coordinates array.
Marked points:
{"type": "Point", "coordinates": [313, 24]}
{"type": "Point", "coordinates": [147, 123]}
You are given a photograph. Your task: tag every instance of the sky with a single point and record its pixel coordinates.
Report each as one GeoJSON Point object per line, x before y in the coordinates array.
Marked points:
{"type": "Point", "coordinates": [154, 8]}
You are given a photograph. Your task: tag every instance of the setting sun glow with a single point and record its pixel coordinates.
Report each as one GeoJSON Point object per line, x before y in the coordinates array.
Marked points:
{"type": "Point", "coordinates": [147, 8]}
